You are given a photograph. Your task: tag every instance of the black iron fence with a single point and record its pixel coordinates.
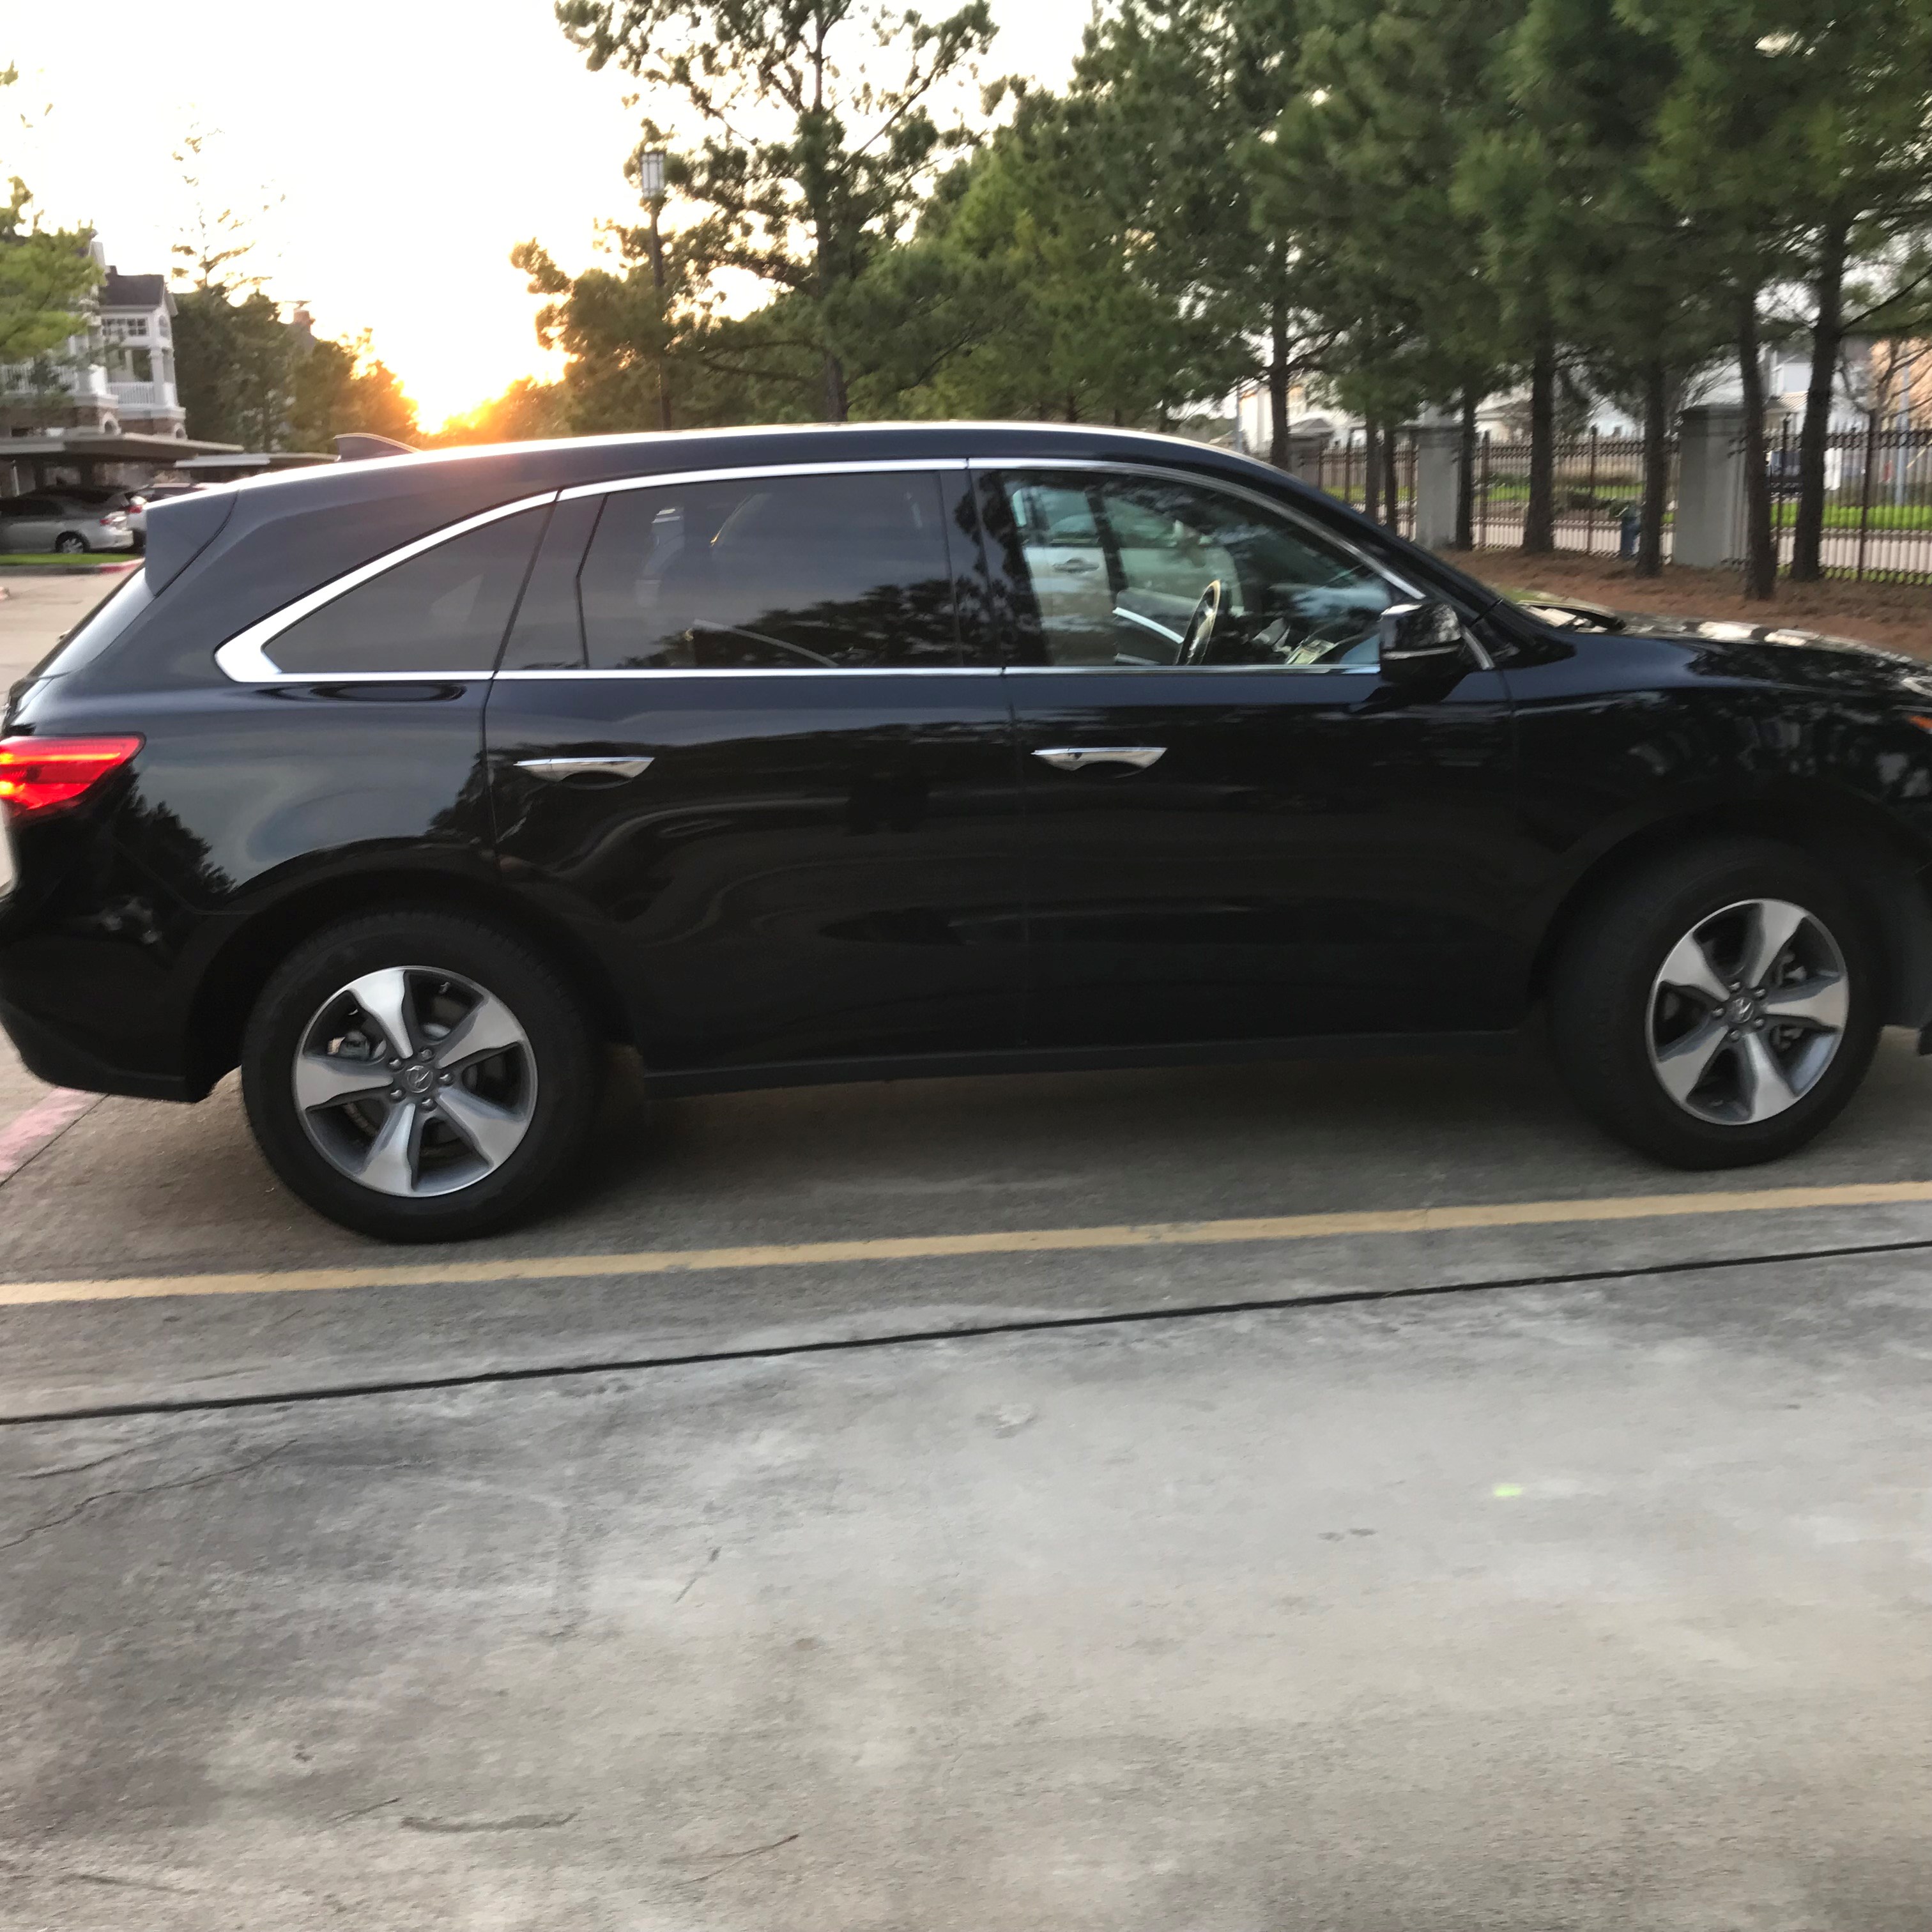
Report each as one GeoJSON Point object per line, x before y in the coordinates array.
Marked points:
{"type": "Point", "coordinates": [1878, 502]}
{"type": "Point", "coordinates": [1599, 487]}
{"type": "Point", "coordinates": [1358, 473]}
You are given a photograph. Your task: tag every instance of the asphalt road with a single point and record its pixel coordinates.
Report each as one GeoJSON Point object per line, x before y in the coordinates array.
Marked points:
{"type": "Point", "coordinates": [983, 1505]}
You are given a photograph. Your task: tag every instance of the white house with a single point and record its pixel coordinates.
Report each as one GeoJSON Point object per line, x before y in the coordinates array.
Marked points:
{"type": "Point", "coordinates": [137, 347]}
{"type": "Point", "coordinates": [116, 378]}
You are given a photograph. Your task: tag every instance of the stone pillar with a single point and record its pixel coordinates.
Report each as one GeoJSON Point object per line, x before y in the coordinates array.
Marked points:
{"type": "Point", "coordinates": [1710, 522]}
{"type": "Point", "coordinates": [1304, 454]}
{"type": "Point", "coordinates": [1439, 450]}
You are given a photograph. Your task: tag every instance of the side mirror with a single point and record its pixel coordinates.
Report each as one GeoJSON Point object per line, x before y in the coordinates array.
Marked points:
{"type": "Point", "coordinates": [1421, 637]}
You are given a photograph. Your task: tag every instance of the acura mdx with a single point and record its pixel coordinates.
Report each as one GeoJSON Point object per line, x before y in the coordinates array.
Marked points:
{"type": "Point", "coordinates": [410, 787]}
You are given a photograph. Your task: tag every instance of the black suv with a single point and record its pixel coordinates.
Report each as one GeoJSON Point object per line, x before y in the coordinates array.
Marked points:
{"type": "Point", "coordinates": [812, 755]}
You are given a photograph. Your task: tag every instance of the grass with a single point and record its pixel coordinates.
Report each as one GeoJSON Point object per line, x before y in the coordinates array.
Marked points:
{"type": "Point", "coordinates": [48, 559]}
{"type": "Point", "coordinates": [1846, 516]}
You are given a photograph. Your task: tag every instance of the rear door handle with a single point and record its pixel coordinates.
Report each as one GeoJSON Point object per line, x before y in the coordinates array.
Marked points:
{"type": "Point", "coordinates": [620, 766]}
{"type": "Point", "coordinates": [1077, 757]}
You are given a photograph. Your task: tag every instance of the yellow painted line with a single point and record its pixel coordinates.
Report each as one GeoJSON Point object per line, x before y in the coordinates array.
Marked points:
{"type": "Point", "coordinates": [1021, 1241]}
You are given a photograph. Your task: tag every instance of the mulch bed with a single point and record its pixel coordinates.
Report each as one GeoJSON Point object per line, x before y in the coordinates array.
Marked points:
{"type": "Point", "coordinates": [1898, 616]}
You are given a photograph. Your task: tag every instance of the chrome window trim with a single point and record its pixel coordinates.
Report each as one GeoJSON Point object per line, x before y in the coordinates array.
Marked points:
{"type": "Point", "coordinates": [244, 659]}
{"type": "Point", "coordinates": [751, 472]}
{"type": "Point", "coordinates": [757, 670]}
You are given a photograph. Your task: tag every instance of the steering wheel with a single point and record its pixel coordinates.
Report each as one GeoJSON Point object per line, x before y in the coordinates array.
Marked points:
{"type": "Point", "coordinates": [1200, 632]}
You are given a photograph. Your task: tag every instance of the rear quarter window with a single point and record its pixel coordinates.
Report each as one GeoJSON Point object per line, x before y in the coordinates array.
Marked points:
{"type": "Point", "coordinates": [443, 610]}
{"type": "Point", "coordinates": [97, 629]}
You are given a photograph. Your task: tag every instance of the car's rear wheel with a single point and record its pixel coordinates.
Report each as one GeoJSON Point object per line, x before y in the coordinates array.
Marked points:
{"type": "Point", "coordinates": [71, 542]}
{"type": "Point", "coordinates": [420, 1076]}
{"type": "Point", "coordinates": [1719, 1007]}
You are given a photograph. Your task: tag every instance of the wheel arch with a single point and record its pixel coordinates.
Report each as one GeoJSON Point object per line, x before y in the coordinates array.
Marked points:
{"type": "Point", "coordinates": [235, 976]}
{"type": "Point", "coordinates": [1858, 841]}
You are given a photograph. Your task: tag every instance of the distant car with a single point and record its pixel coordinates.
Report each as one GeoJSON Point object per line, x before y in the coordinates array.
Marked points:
{"type": "Point", "coordinates": [50, 520]}
{"type": "Point", "coordinates": [133, 504]}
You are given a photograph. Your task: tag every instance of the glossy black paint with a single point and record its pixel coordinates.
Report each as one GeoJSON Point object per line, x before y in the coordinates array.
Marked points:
{"type": "Point", "coordinates": [833, 872]}
{"type": "Point", "coordinates": [816, 866]}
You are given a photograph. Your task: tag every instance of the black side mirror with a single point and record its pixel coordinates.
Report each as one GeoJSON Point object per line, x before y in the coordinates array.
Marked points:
{"type": "Point", "coordinates": [1421, 637]}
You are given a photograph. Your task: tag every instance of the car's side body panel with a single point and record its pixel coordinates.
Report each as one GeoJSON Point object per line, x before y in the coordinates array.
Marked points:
{"type": "Point", "coordinates": [833, 875]}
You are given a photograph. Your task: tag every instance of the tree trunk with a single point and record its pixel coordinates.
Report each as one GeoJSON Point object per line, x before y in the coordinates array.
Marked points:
{"type": "Point", "coordinates": [1391, 478]}
{"type": "Point", "coordinates": [837, 407]}
{"type": "Point", "coordinates": [1656, 470]}
{"type": "Point", "coordinates": [1827, 333]}
{"type": "Point", "coordinates": [1465, 475]}
{"type": "Point", "coordinates": [1072, 407]}
{"type": "Point", "coordinates": [1760, 553]}
{"type": "Point", "coordinates": [1277, 386]}
{"type": "Point", "coordinates": [1539, 513]}
{"type": "Point", "coordinates": [1371, 455]}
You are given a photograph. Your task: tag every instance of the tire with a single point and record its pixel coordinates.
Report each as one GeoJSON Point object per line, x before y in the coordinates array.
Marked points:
{"type": "Point", "coordinates": [70, 542]}
{"type": "Point", "coordinates": [1632, 1017]}
{"type": "Point", "coordinates": [475, 1140]}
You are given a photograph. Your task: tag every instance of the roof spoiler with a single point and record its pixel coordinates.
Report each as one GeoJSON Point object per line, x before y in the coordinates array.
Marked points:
{"type": "Point", "coordinates": [360, 449]}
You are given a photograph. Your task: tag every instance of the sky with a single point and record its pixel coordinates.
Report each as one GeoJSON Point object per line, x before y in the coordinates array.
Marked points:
{"type": "Point", "coordinates": [396, 148]}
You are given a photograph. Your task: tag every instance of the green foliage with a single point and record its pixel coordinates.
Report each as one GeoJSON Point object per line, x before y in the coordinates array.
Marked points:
{"type": "Point", "coordinates": [1028, 292]}
{"type": "Point", "coordinates": [1363, 169]}
{"type": "Point", "coordinates": [46, 276]}
{"type": "Point", "coordinates": [335, 387]}
{"type": "Point", "coordinates": [245, 376]}
{"type": "Point", "coordinates": [840, 93]}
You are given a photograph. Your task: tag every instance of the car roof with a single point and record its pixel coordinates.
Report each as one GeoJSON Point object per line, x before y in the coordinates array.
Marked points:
{"type": "Point", "coordinates": [564, 462]}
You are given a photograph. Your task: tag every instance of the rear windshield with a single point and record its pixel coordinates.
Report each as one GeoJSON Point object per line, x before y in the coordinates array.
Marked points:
{"type": "Point", "coordinates": [97, 629]}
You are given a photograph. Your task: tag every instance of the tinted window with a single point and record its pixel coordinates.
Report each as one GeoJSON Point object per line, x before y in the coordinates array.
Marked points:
{"type": "Point", "coordinates": [443, 610]}
{"type": "Point", "coordinates": [1118, 568]}
{"type": "Point", "coordinates": [777, 573]}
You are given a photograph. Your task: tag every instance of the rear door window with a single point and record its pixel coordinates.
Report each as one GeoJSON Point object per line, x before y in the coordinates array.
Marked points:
{"type": "Point", "coordinates": [443, 610]}
{"type": "Point", "coordinates": [772, 573]}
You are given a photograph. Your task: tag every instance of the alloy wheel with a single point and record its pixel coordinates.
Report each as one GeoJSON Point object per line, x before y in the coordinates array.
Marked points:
{"type": "Point", "coordinates": [413, 1080]}
{"type": "Point", "coordinates": [1748, 1012]}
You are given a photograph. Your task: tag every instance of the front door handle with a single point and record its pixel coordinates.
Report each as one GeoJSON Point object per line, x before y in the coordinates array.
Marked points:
{"type": "Point", "coordinates": [1078, 758]}
{"type": "Point", "coordinates": [618, 766]}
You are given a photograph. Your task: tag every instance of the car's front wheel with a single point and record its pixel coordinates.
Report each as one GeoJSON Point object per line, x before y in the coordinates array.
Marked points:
{"type": "Point", "coordinates": [1719, 1008]}
{"type": "Point", "coordinates": [420, 1076]}
{"type": "Point", "coordinates": [71, 542]}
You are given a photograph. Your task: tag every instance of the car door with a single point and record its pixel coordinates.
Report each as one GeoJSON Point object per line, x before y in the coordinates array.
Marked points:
{"type": "Point", "coordinates": [750, 740]}
{"type": "Point", "coordinates": [31, 524]}
{"type": "Point", "coordinates": [1236, 827]}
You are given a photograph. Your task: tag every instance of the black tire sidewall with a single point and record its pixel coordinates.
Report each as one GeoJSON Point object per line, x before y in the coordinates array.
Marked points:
{"type": "Point", "coordinates": [1600, 1004]}
{"type": "Point", "coordinates": [569, 1068]}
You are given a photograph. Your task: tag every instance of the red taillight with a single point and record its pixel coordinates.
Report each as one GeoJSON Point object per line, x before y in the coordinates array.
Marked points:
{"type": "Point", "coordinates": [36, 774]}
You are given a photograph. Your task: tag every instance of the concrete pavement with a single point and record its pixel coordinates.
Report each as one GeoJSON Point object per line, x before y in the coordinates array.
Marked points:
{"type": "Point", "coordinates": [1590, 1590]}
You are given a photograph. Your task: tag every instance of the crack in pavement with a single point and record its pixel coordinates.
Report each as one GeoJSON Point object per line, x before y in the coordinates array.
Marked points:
{"type": "Point", "coordinates": [525, 1821]}
{"type": "Point", "coordinates": [145, 1490]}
{"type": "Point", "coordinates": [1039, 1324]}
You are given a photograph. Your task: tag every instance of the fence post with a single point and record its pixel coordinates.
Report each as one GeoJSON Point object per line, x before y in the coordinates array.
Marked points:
{"type": "Point", "coordinates": [1710, 486]}
{"type": "Point", "coordinates": [1438, 447]}
{"type": "Point", "coordinates": [1304, 454]}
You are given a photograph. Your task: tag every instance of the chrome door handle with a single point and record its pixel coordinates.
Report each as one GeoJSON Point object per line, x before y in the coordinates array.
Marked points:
{"type": "Point", "coordinates": [1077, 757]}
{"type": "Point", "coordinates": [615, 767]}
{"type": "Point", "coordinates": [1079, 563]}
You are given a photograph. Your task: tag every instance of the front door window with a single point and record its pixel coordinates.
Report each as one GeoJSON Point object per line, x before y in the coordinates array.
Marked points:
{"type": "Point", "coordinates": [1143, 572]}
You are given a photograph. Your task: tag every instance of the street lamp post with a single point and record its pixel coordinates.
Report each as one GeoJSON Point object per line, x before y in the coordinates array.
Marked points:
{"type": "Point", "coordinates": [651, 180]}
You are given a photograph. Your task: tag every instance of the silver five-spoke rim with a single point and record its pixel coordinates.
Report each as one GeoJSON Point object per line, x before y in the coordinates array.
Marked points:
{"type": "Point", "coordinates": [1748, 1012]}
{"type": "Point", "coordinates": [416, 1081]}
